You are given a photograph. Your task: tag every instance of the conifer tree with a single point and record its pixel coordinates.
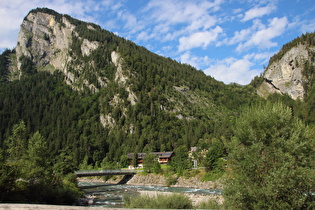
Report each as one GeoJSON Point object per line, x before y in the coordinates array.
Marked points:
{"type": "Point", "coordinates": [17, 142]}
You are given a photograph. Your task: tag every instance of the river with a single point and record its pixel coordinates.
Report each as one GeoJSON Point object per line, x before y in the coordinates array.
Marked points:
{"type": "Point", "coordinates": [111, 195]}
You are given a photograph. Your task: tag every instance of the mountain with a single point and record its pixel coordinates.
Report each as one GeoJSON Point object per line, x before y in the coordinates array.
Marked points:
{"type": "Point", "coordinates": [95, 96]}
{"type": "Point", "coordinates": [291, 70]}
{"type": "Point", "coordinates": [290, 77]}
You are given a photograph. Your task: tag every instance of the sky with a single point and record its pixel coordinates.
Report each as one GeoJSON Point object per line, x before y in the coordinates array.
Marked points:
{"type": "Point", "coordinates": [230, 40]}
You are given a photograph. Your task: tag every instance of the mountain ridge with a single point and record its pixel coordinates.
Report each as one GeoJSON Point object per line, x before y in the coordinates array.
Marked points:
{"type": "Point", "coordinates": [123, 97]}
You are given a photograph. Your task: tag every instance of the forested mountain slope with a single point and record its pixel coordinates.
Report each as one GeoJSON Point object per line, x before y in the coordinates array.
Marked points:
{"type": "Point", "coordinates": [98, 96]}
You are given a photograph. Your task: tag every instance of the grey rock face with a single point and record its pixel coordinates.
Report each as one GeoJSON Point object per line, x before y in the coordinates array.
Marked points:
{"type": "Point", "coordinates": [47, 42]}
{"type": "Point", "coordinates": [286, 75]}
{"type": "Point", "coordinates": [44, 40]}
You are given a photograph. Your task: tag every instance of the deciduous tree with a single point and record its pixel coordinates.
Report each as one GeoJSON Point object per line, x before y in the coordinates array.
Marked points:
{"type": "Point", "coordinates": [271, 161]}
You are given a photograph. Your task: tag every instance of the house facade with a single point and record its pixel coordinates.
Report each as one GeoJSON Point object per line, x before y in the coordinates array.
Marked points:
{"type": "Point", "coordinates": [161, 157]}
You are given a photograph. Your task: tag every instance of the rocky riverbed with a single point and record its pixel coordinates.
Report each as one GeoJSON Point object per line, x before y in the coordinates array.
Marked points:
{"type": "Point", "coordinates": [159, 180]}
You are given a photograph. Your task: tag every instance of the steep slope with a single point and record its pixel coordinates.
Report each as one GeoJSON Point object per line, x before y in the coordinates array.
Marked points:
{"type": "Point", "coordinates": [52, 43]}
{"type": "Point", "coordinates": [124, 98]}
{"type": "Point", "coordinates": [289, 71]}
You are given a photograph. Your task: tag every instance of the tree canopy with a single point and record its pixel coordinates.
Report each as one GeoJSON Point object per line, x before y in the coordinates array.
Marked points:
{"type": "Point", "coordinates": [271, 160]}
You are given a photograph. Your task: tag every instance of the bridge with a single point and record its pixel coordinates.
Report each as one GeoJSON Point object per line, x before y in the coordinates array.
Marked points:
{"type": "Point", "coordinates": [85, 173]}
{"type": "Point", "coordinates": [128, 174]}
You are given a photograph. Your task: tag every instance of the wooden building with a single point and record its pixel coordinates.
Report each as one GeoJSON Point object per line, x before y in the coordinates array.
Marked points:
{"type": "Point", "coordinates": [162, 158]}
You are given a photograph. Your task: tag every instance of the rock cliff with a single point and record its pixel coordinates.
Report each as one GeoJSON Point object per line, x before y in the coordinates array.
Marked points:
{"type": "Point", "coordinates": [285, 76]}
{"type": "Point", "coordinates": [45, 40]}
{"type": "Point", "coordinates": [49, 39]}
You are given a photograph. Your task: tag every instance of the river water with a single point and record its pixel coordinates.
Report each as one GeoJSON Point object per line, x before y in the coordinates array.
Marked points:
{"type": "Point", "coordinates": [111, 196]}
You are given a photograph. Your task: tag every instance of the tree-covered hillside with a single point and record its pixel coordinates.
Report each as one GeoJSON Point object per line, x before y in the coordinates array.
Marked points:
{"type": "Point", "coordinates": [174, 104]}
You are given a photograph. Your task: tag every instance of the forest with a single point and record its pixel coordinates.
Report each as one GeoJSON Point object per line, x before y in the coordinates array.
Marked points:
{"type": "Point", "coordinates": [46, 122]}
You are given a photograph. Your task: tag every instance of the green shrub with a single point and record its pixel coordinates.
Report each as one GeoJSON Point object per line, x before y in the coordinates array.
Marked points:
{"type": "Point", "coordinates": [167, 170]}
{"type": "Point", "coordinates": [170, 180]}
{"type": "Point", "coordinates": [212, 175]}
{"type": "Point", "coordinates": [156, 168]}
{"type": "Point", "coordinates": [190, 173]}
{"type": "Point", "coordinates": [210, 204]}
{"type": "Point", "coordinates": [173, 201]}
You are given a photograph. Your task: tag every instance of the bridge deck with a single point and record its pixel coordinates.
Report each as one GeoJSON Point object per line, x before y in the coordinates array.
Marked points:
{"type": "Point", "coordinates": [104, 172]}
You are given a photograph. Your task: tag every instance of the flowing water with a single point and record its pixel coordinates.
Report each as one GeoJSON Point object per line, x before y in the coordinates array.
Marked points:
{"type": "Point", "coordinates": [111, 196]}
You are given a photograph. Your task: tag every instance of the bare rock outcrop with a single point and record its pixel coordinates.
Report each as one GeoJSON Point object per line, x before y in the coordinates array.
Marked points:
{"type": "Point", "coordinates": [285, 76]}
{"type": "Point", "coordinates": [45, 41]}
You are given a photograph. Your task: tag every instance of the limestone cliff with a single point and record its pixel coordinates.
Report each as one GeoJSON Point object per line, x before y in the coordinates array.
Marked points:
{"type": "Point", "coordinates": [45, 40]}
{"type": "Point", "coordinates": [286, 75]}
{"type": "Point", "coordinates": [84, 53]}
{"type": "Point", "coordinates": [48, 39]}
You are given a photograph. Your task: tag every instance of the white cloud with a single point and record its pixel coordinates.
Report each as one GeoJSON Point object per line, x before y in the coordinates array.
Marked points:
{"type": "Point", "coordinates": [199, 39]}
{"type": "Point", "coordinates": [143, 36]}
{"type": "Point", "coordinates": [176, 12]}
{"type": "Point", "coordinates": [244, 34]}
{"type": "Point", "coordinates": [258, 12]}
{"type": "Point", "coordinates": [263, 37]}
{"type": "Point", "coordinates": [263, 57]}
{"type": "Point", "coordinates": [180, 17]}
{"type": "Point", "coordinates": [233, 70]}
{"type": "Point", "coordinates": [131, 22]}
{"type": "Point", "coordinates": [186, 58]}
{"type": "Point", "coordinates": [228, 70]}
{"type": "Point", "coordinates": [307, 26]}
{"type": "Point", "coordinates": [195, 61]}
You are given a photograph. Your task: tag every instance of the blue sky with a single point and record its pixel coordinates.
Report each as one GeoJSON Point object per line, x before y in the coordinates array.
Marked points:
{"type": "Point", "coordinates": [230, 40]}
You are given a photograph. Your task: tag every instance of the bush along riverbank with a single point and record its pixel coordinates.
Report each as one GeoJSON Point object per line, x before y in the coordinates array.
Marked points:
{"type": "Point", "coordinates": [169, 200]}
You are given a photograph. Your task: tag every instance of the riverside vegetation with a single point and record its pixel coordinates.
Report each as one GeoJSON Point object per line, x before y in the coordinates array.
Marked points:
{"type": "Point", "coordinates": [123, 98]}
{"type": "Point", "coordinates": [173, 201]}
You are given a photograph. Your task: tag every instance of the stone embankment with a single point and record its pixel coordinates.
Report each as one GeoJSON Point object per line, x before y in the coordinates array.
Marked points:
{"type": "Point", "coordinates": [159, 180]}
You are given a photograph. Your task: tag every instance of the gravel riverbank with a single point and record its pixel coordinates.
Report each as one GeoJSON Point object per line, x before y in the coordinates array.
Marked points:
{"type": "Point", "coordinates": [159, 180]}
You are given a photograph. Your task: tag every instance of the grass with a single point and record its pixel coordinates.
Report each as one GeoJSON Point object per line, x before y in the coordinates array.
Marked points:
{"type": "Point", "coordinates": [212, 175]}
{"type": "Point", "coordinates": [173, 201]}
{"type": "Point", "coordinates": [167, 201]}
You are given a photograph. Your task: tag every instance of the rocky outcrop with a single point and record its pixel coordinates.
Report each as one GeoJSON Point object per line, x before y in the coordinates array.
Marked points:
{"type": "Point", "coordinates": [121, 77]}
{"type": "Point", "coordinates": [45, 41]}
{"type": "Point", "coordinates": [87, 47]}
{"type": "Point", "coordinates": [285, 76]}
